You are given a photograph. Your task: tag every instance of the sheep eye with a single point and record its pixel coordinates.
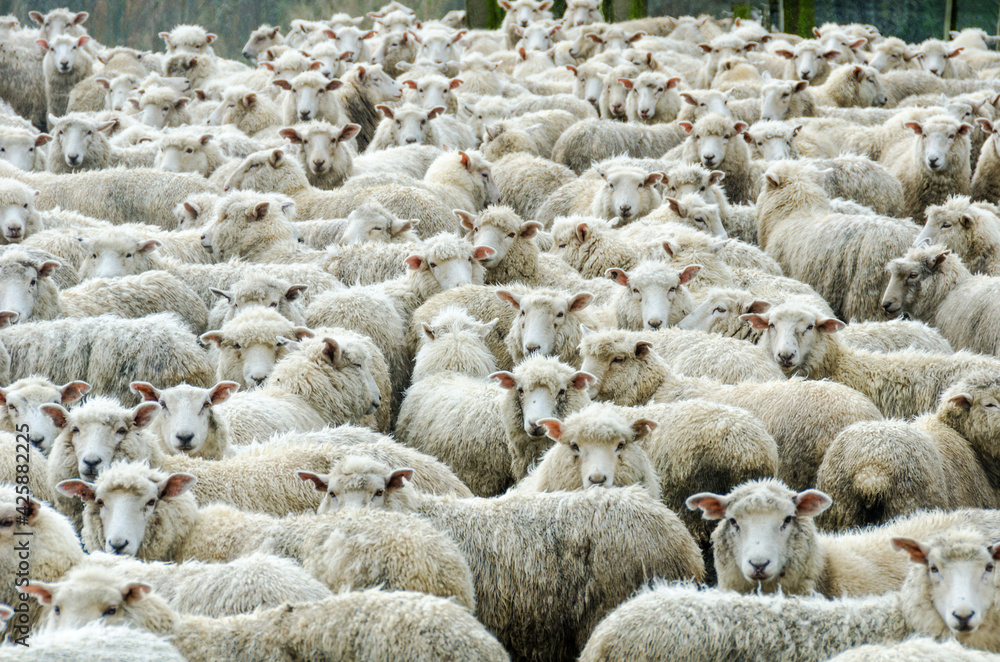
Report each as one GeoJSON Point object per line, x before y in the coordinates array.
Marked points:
{"type": "Point", "coordinates": [560, 314]}
{"type": "Point", "coordinates": [190, 150]}
{"type": "Point", "coordinates": [732, 522]}
{"type": "Point", "coordinates": [944, 226]}
{"type": "Point", "coordinates": [128, 255]}
{"type": "Point", "coordinates": [236, 345]}
{"type": "Point", "coordinates": [719, 309]}
{"type": "Point", "coordinates": [934, 569]}
{"type": "Point", "coordinates": [562, 245]}
{"type": "Point", "coordinates": [621, 445]}
{"type": "Point", "coordinates": [273, 304]}
{"type": "Point", "coordinates": [785, 95]}
{"type": "Point", "coordinates": [618, 359]}
{"type": "Point", "coordinates": [100, 503]}
{"type": "Point", "coordinates": [33, 281]}
{"type": "Point", "coordinates": [379, 493]}
{"type": "Point", "coordinates": [12, 408]}
{"type": "Point", "coordinates": [510, 236]}
{"type": "Point", "coordinates": [788, 520]}
{"type": "Point", "coordinates": [433, 265]}
{"type": "Point", "coordinates": [151, 503]}
{"type": "Point", "coordinates": [57, 610]}
{"type": "Point", "coordinates": [575, 448]}
{"type": "Point", "coordinates": [75, 430]}
{"type": "Point", "coordinates": [989, 567]}
{"type": "Point", "coordinates": [809, 328]}
{"type": "Point", "coordinates": [121, 431]}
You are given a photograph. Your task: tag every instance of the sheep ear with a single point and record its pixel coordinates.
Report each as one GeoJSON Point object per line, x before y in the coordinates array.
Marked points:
{"type": "Point", "coordinates": [985, 125]}
{"type": "Point", "coordinates": [553, 428]}
{"type": "Point", "coordinates": [773, 178]}
{"type": "Point", "coordinates": [713, 506]}
{"type": "Point", "coordinates": [689, 98]}
{"type": "Point", "coordinates": [964, 129]}
{"type": "Point", "coordinates": [29, 509]}
{"type": "Point", "coordinates": [669, 249]}
{"type": "Point", "coordinates": [511, 298]}
{"type": "Point", "coordinates": [348, 132]}
{"type": "Point", "coordinates": [333, 84]}
{"type": "Point", "coordinates": [136, 591]}
{"type": "Point", "coordinates": [787, 54]}
{"type": "Point", "coordinates": [687, 126]}
{"type": "Point", "coordinates": [642, 427]}
{"type": "Point", "coordinates": [149, 245]}
{"type": "Point", "coordinates": [530, 228]}
{"type": "Point", "coordinates": [715, 177]}
{"type": "Point", "coordinates": [829, 325]}
{"type": "Point", "coordinates": [917, 551]}
{"type": "Point", "coordinates": [961, 400]}
{"type": "Point", "coordinates": [221, 392]}
{"type": "Point", "coordinates": [620, 276]}
{"type": "Point", "coordinates": [811, 503]}
{"type": "Point", "coordinates": [414, 262]}
{"type": "Point", "coordinates": [385, 110]}
{"type": "Point", "coordinates": [396, 479]}
{"type": "Point", "coordinates": [582, 232]}
{"type": "Point", "coordinates": [75, 487]}
{"type": "Point", "coordinates": [740, 127]}
{"type": "Point", "coordinates": [653, 178]}
{"type": "Point", "coordinates": [504, 378]}
{"type": "Point", "coordinates": [41, 139]}
{"type": "Point", "coordinates": [434, 112]}
{"type": "Point", "coordinates": [642, 348]}
{"type": "Point", "coordinates": [43, 591]}
{"type": "Point", "coordinates": [487, 329]}
{"type": "Point", "coordinates": [275, 158]}
{"type": "Point", "coordinates": [914, 127]}
{"type": "Point", "coordinates": [47, 268]}
{"type": "Point", "coordinates": [689, 273]}
{"type": "Point", "coordinates": [291, 135]}
{"type": "Point", "coordinates": [580, 301]}
{"type": "Point", "coordinates": [675, 206]}
{"type": "Point", "coordinates": [934, 261]}
{"type": "Point", "coordinates": [295, 291]}
{"type": "Point", "coordinates": [148, 392]}
{"type": "Point", "coordinates": [211, 337]}
{"type": "Point", "coordinates": [300, 333]}
{"type": "Point", "coordinates": [320, 481]}
{"type": "Point", "coordinates": [281, 82]}
{"type": "Point", "coordinates": [799, 86]}
{"type": "Point", "coordinates": [8, 317]}
{"type": "Point", "coordinates": [56, 413]}
{"type": "Point", "coordinates": [758, 322]}
{"type": "Point", "coordinates": [228, 296]}
{"type": "Point", "coordinates": [428, 331]}
{"type": "Point", "coordinates": [582, 380]}
{"type": "Point", "coordinates": [144, 413]}
{"type": "Point", "coordinates": [332, 352]}
{"type": "Point", "coordinates": [465, 219]}
{"type": "Point", "coordinates": [175, 485]}
{"type": "Point", "coordinates": [758, 307]}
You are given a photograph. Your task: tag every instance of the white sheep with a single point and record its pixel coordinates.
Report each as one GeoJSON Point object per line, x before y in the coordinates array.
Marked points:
{"type": "Point", "coordinates": [65, 64]}
{"type": "Point", "coordinates": [970, 230]}
{"type": "Point", "coordinates": [251, 343]}
{"type": "Point", "coordinates": [324, 151]}
{"type": "Point", "coordinates": [22, 402]}
{"type": "Point", "coordinates": [653, 296]}
{"type": "Point", "coordinates": [187, 422]}
{"type": "Point", "coordinates": [410, 124]}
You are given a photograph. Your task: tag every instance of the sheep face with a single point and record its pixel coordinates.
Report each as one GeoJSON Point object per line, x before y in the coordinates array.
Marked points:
{"type": "Point", "coordinates": [536, 37]}
{"type": "Point", "coordinates": [372, 223]}
{"type": "Point", "coordinates": [308, 90]}
{"type": "Point", "coordinates": [350, 39]}
{"type": "Point", "coordinates": [18, 147]}
{"type": "Point", "coordinates": [600, 440]}
{"type": "Point", "coordinates": [762, 527]}
{"type": "Point", "coordinates": [584, 12]}
{"type": "Point", "coordinates": [120, 88]}
{"type": "Point", "coordinates": [648, 87]}
{"type": "Point", "coordinates": [263, 292]}
{"type": "Point", "coordinates": [653, 286]}
{"type": "Point", "coordinates": [451, 262]}
{"type": "Point", "coordinates": [189, 39]}
{"type": "Point", "coordinates": [524, 12]}
{"type": "Point", "coordinates": [252, 343]}
{"type": "Point", "coordinates": [440, 47]}
{"type": "Point", "coordinates": [543, 387]}
{"type": "Point", "coordinates": [64, 51]}
{"type": "Point", "coordinates": [811, 59]}
{"type": "Point", "coordinates": [381, 87]}
{"type": "Point", "coordinates": [74, 135]}
{"type": "Point", "coordinates": [184, 153]}
{"type": "Point", "coordinates": [936, 140]}
{"type": "Point", "coordinates": [155, 111]}
{"type": "Point", "coordinates": [59, 22]}
{"type": "Point", "coordinates": [869, 87]}
{"type": "Point", "coordinates": [711, 137]}
{"type": "Point", "coordinates": [791, 332]}
{"type": "Point", "coordinates": [185, 419]}
{"type": "Point", "coordinates": [911, 280]}
{"type": "Point", "coordinates": [117, 255]}
{"type": "Point", "coordinates": [692, 210]}
{"type": "Point", "coordinates": [890, 54]}
{"type": "Point", "coordinates": [89, 596]}
{"type": "Point", "coordinates": [772, 141]}
{"type": "Point", "coordinates": [330, 60]}
{"type": "Point", "coordinates": [410, 124]}
{"type": "Point", "coordinates": [708, 102]}
{"type": "Point", "coordinates": [720, 310]}
{"type": "Point", "coordinates": [358, 483]}
{"type": "Point", "coordinates": [21, 283]}
{"type": "Point", "coordinates": [590, 81]}
{"type": "Point", "coordinates": [776, 97]}
{"type": "Point", "coordinates": [497, 229]}
{"type": "Point", "coordinates": [323, 146]}
{"type": "Point", "coordinates": [268, 170]}
{"type": "Point", "coordinates": [958, 224]}
{"type": "Point", "coordinates": [540, 318]}
{"type": "Point", "coordinates": [958, 578]}
{"type": "Point", "coordinates": [433, 91]}
{"type": "Point", "coordinates": [617, 91]}
{"type": "Point", "coordinates": [97, 431]}
{"type": "Point", "coordinates": [260, 40]}
{"type": "Point", "coordinates": [933, 56]}
{"type": "Point", "coordinates": [17, 206]}
{"type": "Point", "coordinates": [628, 193]}
{"type": "Point", "coordinates": [22, 405]}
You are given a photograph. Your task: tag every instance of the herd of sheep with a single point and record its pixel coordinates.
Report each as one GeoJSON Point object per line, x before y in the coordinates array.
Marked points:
{"type": "Point", "coordinates": [674, 339]}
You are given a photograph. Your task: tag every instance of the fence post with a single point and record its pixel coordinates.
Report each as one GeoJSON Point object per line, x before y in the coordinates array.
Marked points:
{"type": "Point", "coordinates": [798, 17]}
{"type": "Point", "coordinates": [485, 14]}
{"type": "Point", "coordinates": [950, 18]}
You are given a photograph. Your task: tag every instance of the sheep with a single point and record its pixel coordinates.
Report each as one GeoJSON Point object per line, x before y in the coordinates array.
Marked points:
{"type": "Point", "coordinates": [324, 153]}
{"type": "Point", "coordinates": [721, 307]}
{"type": "Point", "coordinates": [135, 297]}
{"type": "Point", "coordinates": [653, 295]}
{"type": "Point", "coordinates": [331, 547]}
{"type": "Point", "coordinates": [914, 648]}
{"type": "Point", "coordinates": [715, 143]}
{"type": "Point", "coordinates": [191, 39]}
{"type": "Point", "coordinates": [94, 642]}
{"type": "Point", "coordinates": [549, 322]}
{"type": "Point", "coordinates": [65, 64]}
{"type": "Point", "coordinates": [18, 217]}
{"type": "Point", "coordinates": [984, 186]}
{"type": "Point", "coordinates": [251, 343]}
{"type": "Point", "coordinates": [894, 336]}
{"type": "Point", "coordinates": [259, 290]}
{"type": "Point", "coordinates": [251, 112]}
{"type": "Point", "coordinates": [457, 418]}
{"type": "Point", "coordinates": [931, 284]}
{"type": "Point", "coordinates": [938, 57]}
{"type": "Point", "coordinates": [860, 179]}
{"type": "Point", "coordinates": [22, 148]}
{"type": "Point", "coordinates": [598, 446]}
{"type": "Point", "coordinates": [434, 90]}
{"type": "Point", "coordinates": [932, 164]}
{"type": "Point", "coordinates": [589, 80]}
{"type": "Point", "coordinates": [653, 98]}
{"type": "Point", "coordinates": [530, 530]}
{"type": "Point", "coordinates": [160, 107]}
{"type": "Point", "coordinates": [412, 160]}
{"type": "Point", "coordinates": [691, 210]}
{"type": "Point", "coordinates": [410, 124]}
{"type": "Point", "coordinates": [187, 422]}
{"type": "Point", "coordinates": [435, 628]}
{"type": "Point", "coordinates": [629, 372]}
{"type": "Point", "coordinates": [22, 401]}
{"type": "Point", "coordinates": [364, 88]}
{"type": "Point", "coordinates": [851, 86]}
{"type": "Point", "coordinates": [785, 100]}
{"type": "Point", "coordinates": [525, 181]}
{"type": "Point", "coordinates": [452, 343]}
{"type": "Point", "coordinates": [627, 191]}
{"type": "Point", "coordinates": [116, 195]}
{"type": "Point", "coordinates": [797, 228]}
{"type": "Point", "coordinates": [189, 152]}
{"type": "Point", "coordinates": [261, 39]}
{"type": "Point", "coordinates": [901, 384]}
{"type": "Point", "coordinates": [809, 60]}
{"type": "Point", "coordinates": [970, 230]}
{"type": "Point", "coordinates": [535, 132]}
{"type": "Point", "coordinates": [271, 170]}
{"type": "Point", "coordinates": [308, 99]}
{"type": "Point", "coordinates": [595, 140]}
{"type": "Point", "coordinates": [948, 592]}
{"type": "Point", "coordinates": [328, 381]}
{"type": "Point", "coordinates": [892, 53]}
{"type": "Point", "coordinates": [79, 143]}
{"type": "Point", "coordinates": [108, 352]}
{"type": "Point", "coordinates": [772, 141]}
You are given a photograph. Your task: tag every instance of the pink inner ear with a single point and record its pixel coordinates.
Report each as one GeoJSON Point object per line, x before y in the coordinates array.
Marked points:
{"type": "Point", "coordinates": [505, 379]}
{"type": "Point", "coordinates": [414, 262]}
{"type": "Point", "coordinates": [711, 505]}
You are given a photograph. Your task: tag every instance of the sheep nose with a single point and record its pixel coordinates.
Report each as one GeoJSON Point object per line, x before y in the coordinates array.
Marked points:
{"type": "Point", "coordinates": [786, 358]}
{"type": "Point", "coordinates": [532, 347]}
{"type": "Point", "coordinates": [319, 163]}
{"type": "Point", "coordinates": [257, 380]}
{"type": "Point", "coordinates": [73, 159]}
{"type": "Point", "coordinates": [963, 621]}
{"type": "Point", "coordinates": [933, 161]}
{"type": "Point", "coordinates": [37, 440]}
{"type": "Point", "coordinates": [887, 306]}
{"type": "Point", "coordinates": [91, 463]}
{"type": "Point", "coordinates": [758, 569]}
{"type": "Point", "coordinates": [591, 99]}
{"type": "Point", "coordinates": [625, 211]}
{"type": "Point", "coordinates": [535, 430]}
{"type": "Point", "coordinates": [709, 159]}
{"type": "Point", "coordinates": [305, 114]}
{"type": "Point", "coordinates": [410, 141]}
{"type": "Point", "coordinates": [805, 75]}
{"type": "Point", "coordinates": [597, 479]}
{"type": "Point", "coordinates": [118, 545]}
{"type": "Point", "coordinates": [248, 55]}
{"type": "Point", "coordinates": [655, 324]}
{"type": "Point", "coordinates": [185, 440]}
